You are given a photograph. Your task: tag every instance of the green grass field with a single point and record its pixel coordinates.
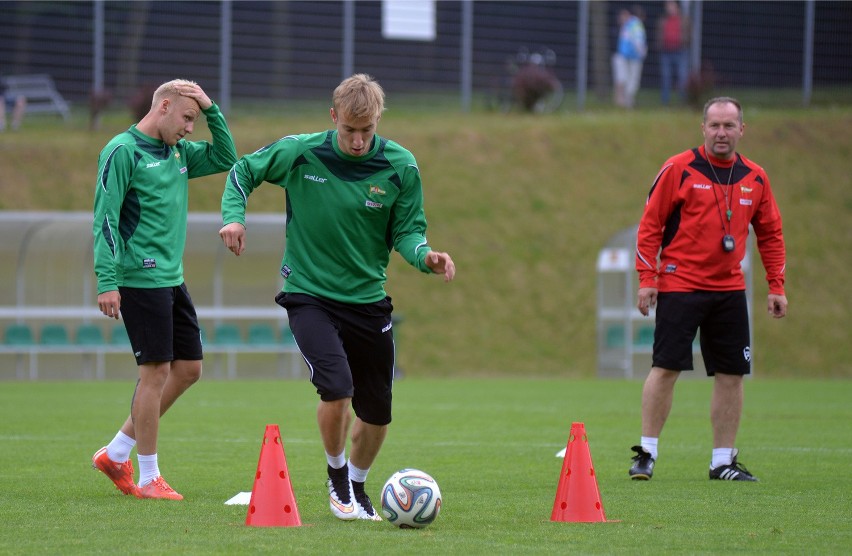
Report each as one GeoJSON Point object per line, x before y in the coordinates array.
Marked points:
{"type": "Point", "coordinates": [490, 444]}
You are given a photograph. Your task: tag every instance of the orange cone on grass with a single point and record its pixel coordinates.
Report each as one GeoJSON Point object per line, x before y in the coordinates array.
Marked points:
{"type": "Point", "coordinates": [272, 502]}
{"type": "Point", "coordinates": [578, 498]}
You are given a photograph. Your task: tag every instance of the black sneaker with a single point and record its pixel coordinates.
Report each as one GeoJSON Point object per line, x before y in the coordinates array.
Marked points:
{"type": "Point", "coordinates": [340, 494]}
{"type": "Point", "coordinates": [643, 464]}
{"type": "Point", "coordinates": [734, 471]}
{"type": "Point", "coordinates": [363, 505]}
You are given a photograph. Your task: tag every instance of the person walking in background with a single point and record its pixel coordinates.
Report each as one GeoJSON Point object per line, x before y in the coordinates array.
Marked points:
{"type": "Point", "coordinates": [139, 227]}
{"type": "Point", "coordinates": [352, 196]}
{"type": "Point", "coordinates": [672, 42]}
{"type": "Point", "coordinates": [696, 221]}
{"type": "Point", "coordinates": [629, 56]}
{"type": "Point", "coordinates": [17, 106]}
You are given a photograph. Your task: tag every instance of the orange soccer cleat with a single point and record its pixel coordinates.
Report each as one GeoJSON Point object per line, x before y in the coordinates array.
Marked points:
{"type": "Point", "coordinates": [121, 474]}
{"type": "Point", "coordinates": [158, 488]}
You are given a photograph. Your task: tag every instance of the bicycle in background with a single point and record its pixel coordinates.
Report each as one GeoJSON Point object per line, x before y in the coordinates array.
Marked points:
{"type": "Point", "coordinates": [530, 84]}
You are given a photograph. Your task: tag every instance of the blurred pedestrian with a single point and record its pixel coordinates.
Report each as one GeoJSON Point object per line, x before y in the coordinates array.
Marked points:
{"type": "Point", "coordinates": [672, 42]}
{"type": "Point", "coordinates": [17, 106]}
{"type": "Point", "coordinates": [629, 56]}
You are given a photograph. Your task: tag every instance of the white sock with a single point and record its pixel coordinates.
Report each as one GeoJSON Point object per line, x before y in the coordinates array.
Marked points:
{"type": "Point", "coordinates": [357, 474]}
{"type": "Point", "coordinates": [336, 462]}
{"type": "Point", "coordinates": [721, 456]}
{"type": "Point", "coordinates": [119, 448]}
{"type": "Point", "coordinates": [148, 468]}
{"type": "Point", "coordinates": [650, 446]}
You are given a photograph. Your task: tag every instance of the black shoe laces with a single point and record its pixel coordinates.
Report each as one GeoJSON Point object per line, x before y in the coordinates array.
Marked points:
{"type": "Point", "coordinates": [365, 502]}
{"type": "Point", "coordinates": [641, 454]}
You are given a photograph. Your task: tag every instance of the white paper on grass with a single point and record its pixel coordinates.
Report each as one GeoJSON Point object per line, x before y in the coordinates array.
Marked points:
{"type": "Point", "coordinates": [241, 498]}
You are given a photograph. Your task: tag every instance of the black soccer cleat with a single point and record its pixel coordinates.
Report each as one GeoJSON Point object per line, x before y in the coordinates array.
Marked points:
{"type": "Point", "coordinates": [734, 471]}
{"type": "Point", "coordinates": [643, 465]}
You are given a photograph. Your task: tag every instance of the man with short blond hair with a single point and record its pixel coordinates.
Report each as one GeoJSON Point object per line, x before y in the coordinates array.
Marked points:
{"type": "Point", "coordinates": [141, 204]}
{"type": "Point", "coordinates": [352, 197]}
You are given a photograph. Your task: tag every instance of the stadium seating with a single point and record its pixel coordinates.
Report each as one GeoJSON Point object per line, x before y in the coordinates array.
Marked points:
{"type": "Point", "coordinates": [18, 335]}
{"type": "Point", "coordinates": [54, 335]}
{"type": "Point", "coordinates": [89, 335]}
{"type": "Point", "coordinates": [227, 335]}
{"type": "Point", "coordinates": [119, 335]}
{"type": "Point", "coordinates": [645, 336]}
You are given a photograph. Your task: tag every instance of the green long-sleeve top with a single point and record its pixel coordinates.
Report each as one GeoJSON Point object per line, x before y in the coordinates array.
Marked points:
{"type": "Point", "coordinates": [344, 214]}
{"type": "Point", "coordinates": [141, 203]}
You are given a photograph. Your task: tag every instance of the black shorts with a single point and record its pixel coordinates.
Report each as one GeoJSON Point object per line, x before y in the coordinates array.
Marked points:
{"type": "Point", "coordinates": [349, 350]}
{"type": "Point", "coordinates": [722, 318]}
{"type": "Point", "coordinates": [161, 324]}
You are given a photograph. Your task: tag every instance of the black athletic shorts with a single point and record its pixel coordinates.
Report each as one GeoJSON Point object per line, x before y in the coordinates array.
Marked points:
{"type": "Point", "coordinates": [161, 323]}
{"type": "Point", "coordinates": [721, 317]}
{"type": "Point", "coordinates": [349, 350]}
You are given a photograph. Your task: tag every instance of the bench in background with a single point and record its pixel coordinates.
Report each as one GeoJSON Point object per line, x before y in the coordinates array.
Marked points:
{"type": "Point", "coordinates": [78, 331]}
{"type": "Point", "coordinates": [40, 92]}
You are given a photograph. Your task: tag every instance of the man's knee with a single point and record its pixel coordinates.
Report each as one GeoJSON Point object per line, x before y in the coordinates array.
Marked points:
{"type": "Point", "coordinates": [189, 372]}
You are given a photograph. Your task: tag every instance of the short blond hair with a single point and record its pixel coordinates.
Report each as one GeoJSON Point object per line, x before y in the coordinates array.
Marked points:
{"type": "Point", "coordinates": [169, 89]}
{"type": "Point", "coordinates": [359, 96]}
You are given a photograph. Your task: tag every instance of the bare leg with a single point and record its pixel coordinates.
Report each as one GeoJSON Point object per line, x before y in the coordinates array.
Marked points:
{"type": "Point", "coordinates": [146, 405]}
{"type": "Point", "coordinates": [657, 395]}
{"type": "Point", "coordinates": [366, 442]}
{"type": "Point", "coordinates": [19, 111]}
{"type": "Point", "coordinates": [726, 409]}
{"type": "Point", "coordinates": [334, 419]}
{"type": "Point", "coordinates": [182, 375]}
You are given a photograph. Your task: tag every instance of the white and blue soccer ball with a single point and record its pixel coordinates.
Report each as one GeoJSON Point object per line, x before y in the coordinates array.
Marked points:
{"type": "Point", "coordinates": [411, 499]}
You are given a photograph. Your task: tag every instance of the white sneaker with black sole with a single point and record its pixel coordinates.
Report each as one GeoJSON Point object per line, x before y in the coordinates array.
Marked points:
{"type": "Point", "coordinates": [340, 498]}
{"type": "Point", "coordinates": [364, 507]}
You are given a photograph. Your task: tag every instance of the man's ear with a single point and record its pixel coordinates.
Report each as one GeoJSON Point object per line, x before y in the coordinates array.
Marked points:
{"type": "Point", "coordinates": [333, 115]}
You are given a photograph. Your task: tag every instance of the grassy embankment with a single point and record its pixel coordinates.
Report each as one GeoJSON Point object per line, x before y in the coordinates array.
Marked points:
{"type": "Point", "coordinates": [524, 203]}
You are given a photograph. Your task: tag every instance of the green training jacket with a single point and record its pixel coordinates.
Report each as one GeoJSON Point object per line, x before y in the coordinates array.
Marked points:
{"type": "Point", "coordinates": [344, 214]}
{"type": "Point", "coordinates": [141, 203]}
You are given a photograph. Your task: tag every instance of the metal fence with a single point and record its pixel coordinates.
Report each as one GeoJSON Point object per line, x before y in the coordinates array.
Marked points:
{"type": "Point", "coordinates": [258, 51]}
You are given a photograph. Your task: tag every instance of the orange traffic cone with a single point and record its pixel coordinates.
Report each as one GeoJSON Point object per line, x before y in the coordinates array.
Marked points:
{"type": "Point", "coordinates": [272, 502]}
{"type": "Point", "coordinates": [577, 496]}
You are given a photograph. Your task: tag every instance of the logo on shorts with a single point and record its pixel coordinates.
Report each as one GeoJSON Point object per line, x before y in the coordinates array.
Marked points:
{"type": "Point", "coordinates": [747, 353]}
{"type": "Point", "coordinates": [149, 263]}
{"type": "Point", "coordinates": [671, 268]}
{"type": "Point", "coordinates": [388, 327]}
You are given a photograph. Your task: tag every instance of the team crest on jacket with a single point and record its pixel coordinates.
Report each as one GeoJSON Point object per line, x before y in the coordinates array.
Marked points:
{"type": "Point", "coordinates": [376, 190]}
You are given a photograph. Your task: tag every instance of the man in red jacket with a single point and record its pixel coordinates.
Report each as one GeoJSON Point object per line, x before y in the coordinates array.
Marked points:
{"type": "Point", "coordinates": [691, 240]}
